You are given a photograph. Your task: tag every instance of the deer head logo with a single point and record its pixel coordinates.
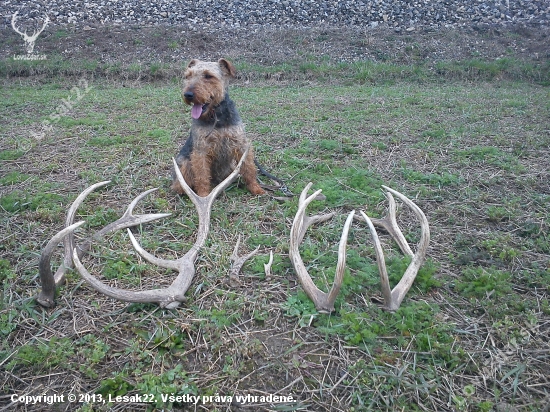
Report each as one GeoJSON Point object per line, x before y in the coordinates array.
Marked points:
{"type": "Point", "coordinates": [29, 40]}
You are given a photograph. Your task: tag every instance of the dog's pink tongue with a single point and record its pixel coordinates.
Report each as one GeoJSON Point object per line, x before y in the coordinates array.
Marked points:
{"type": "Point", "coordinates": [196, 111]}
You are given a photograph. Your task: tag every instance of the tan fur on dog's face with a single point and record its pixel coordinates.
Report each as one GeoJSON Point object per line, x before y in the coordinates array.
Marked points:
{"type": "Point", "coordinates": [206, 83]}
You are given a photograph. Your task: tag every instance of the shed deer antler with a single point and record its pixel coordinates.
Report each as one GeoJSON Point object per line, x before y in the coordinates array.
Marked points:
{"type": "Point", "coordinates": [394, 297]}
{"type": "Point", "coordinates": [29, 40]}
{"type": "Point", "coordinates": [324, 302]}
{"type": "Point", "coordinates": [173, 295]}
{"type": "Point", "coordinates": [49, 281]}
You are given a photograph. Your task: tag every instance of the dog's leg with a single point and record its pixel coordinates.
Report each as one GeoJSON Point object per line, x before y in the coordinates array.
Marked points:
{"type": "Point", "coordinates": [249, 174]}
{"type": "Point", "coordinates": [187, 173]}
{"type": "Point", "coordinates": [200, 167]}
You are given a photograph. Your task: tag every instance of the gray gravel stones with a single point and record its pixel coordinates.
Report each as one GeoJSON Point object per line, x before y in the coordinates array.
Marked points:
{"type": "Point", "coordinates": [204, 14]}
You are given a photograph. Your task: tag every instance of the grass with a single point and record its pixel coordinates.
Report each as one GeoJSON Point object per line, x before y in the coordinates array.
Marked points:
{"type": "Point", "coordinates": [472, 334]}
{"type": "Point", "coordinates": [307, 67]}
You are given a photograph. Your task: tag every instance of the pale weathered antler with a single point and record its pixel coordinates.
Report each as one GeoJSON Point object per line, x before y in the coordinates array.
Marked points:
{"type": "Point", "coordinates": [394, 297]}
{"type": "Point", "coordinates": [49, 281]}
{"type": "Point", "coordinates": [174, 294]}
{"type": "Point", "coordinates": [238, 262]}
{"type": "Point", "coordinates": [324, 302]}
{"type": "Point", "coordinates": [29, 40]}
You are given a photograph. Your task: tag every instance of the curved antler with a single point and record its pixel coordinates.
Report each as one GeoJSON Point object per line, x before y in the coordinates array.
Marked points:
{"type": "Point", "coordinates": [51, 282]}
{"type": "Point", "coordinates": [393, 298]}
{"type": "Point", "coordinates": [47, 280]}
{"type": "Point", "coordinates": [324, 302]}
{"type": "Point", "coordinates": [173, 295]}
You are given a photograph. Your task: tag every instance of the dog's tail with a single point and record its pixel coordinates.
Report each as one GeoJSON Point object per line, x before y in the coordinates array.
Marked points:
{"type": "Point", "coordinates": [282, 185]}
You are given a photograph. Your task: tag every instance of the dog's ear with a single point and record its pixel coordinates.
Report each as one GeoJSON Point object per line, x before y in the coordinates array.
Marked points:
{"type": "Point", "coordinates": [192, 63]}
{"type": "Point", "coordinates": [227, 68]}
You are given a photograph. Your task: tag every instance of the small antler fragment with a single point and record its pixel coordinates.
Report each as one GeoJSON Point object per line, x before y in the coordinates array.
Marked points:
{"type": "Point", "coordinates": [238, 262]}
{"type": "Point", "coordinates": [267, 266]}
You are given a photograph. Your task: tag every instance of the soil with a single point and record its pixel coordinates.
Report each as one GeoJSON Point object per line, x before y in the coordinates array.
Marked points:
{"type": "Point", "coordinates": [271, 46]}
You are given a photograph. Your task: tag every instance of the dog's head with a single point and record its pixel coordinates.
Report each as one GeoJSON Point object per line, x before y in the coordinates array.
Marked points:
{"type": "Point", "coordinates": [205, 85]}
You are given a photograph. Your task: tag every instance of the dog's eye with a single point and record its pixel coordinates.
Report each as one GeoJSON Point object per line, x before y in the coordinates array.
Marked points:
{"type": "Point", "coordinates": [207, 76]}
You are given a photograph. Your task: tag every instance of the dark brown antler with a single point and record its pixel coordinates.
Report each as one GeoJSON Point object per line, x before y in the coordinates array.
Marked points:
{"type": "Point", "coordinates": [324, 302]}
{"type": "Point", "coordinates": [49, 281]}
{"type": "Point", "coordinates": [394, 297]}
{"type": "Point", "coordinates": [173, 295]}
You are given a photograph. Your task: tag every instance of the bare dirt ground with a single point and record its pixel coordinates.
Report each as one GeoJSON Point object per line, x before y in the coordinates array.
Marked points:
{"type": "Point", "coordinates": [272, 46]}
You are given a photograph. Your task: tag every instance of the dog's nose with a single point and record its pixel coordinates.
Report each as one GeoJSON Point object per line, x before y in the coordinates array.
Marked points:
{"type": "Point", "coordinates": [189, 96]}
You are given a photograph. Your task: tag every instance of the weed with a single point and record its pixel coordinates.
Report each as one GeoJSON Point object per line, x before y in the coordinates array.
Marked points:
{"type": "Point", "coordinates": [18, 201]}
{"type": "Point", "coordinates": [11, 154]}
{"type": "Point", "coordinates": [8, 314]}
{"type": "Point", "coordinates": [42, 355]}
{"type": "Point", "coordinates": [497, 214]}
{"type": "Point", "coordinates": [434, 179]}
{"type": "Point", "coordinates": [13, 177]}
{"type": "Point", "coordinates": [172, 382]}
{"type": "Point", "coordinates": [483, 283]}
{"type": "Point", "coordinates": [498, 248]}
{"type": "Point", "coordinates": [116, 386]}
{"type": "Point", "coordinates": [93, 350]}
{"type": "Point", "coordinates": [167, 340]}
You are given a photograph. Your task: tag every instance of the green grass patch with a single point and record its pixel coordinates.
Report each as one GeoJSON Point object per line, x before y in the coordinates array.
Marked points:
{"type": "Point", "coordinates": [13, 177]}
{"type": "Point", "coordinates": [10, 154]}
{"type": "Point", "coordinates": [18, 201]}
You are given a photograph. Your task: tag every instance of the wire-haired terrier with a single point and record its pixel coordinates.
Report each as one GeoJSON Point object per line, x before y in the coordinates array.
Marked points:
{"type": "Point", "coordinates": [217, 139]}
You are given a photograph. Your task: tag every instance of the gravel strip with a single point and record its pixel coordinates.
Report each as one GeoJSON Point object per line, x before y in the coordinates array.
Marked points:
{"type": "Point", "coordinates": [209, 14]}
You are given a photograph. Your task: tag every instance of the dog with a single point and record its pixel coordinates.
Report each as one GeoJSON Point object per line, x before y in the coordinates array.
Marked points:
{"type": "Point", "coordinates": [217, 140]}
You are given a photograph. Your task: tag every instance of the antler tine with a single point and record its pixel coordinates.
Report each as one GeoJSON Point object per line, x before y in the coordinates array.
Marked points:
{"type": "Point", "coordinates": [128, 219]}
{"type": "Point", "coordinates": [341, 265]}
{"type": "Point", "coordinates": [389, 223]}
{"type": "Point", "coordinates": [164, 297]}
{"type": "Point", "coordinates": [324, 302]}
{"type": "Point", "coordinates": [46, 296]}
{"type": "Point", "coordinates": [238, 262]}
{"type": "Point", "coordinates": [401, 289]}
{"type": "Point", "coordinates": [173, 295]}
{"type": "Point", "coordinates": [393, 299]}
{"type": "Point", "coordinates": [304, 221]}
{"type": "Point", "coordinates": [204, 204]}
{"type": "Point", "coordinates": [384, 280]}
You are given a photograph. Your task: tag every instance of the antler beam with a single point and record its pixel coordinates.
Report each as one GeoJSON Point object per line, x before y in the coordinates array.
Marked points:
{"type": "Point", "coordinates": [324, 302]}
{"type": "Point", "coordinates": [394, 297]}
